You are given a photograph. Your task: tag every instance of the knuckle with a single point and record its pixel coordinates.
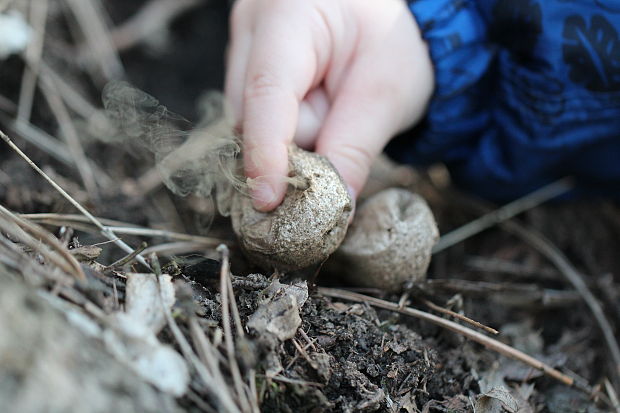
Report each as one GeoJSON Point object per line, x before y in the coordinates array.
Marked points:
{"type": "Point", "coordinates": [356, 158]}
{"type": "Point", "coordinates": [260, 86]}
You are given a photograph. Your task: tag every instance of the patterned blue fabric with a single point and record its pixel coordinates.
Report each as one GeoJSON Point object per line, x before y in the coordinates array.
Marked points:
{"type": "Point", "coordinates": [527, 91]}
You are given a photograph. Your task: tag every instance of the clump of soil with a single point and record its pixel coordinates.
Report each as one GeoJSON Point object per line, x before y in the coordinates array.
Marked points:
{"type": "Point", "coordinates": [346, 357]}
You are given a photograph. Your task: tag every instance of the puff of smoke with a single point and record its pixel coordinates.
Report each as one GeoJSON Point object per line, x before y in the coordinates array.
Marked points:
{"type": "Point", "coordinates": [201, 161]}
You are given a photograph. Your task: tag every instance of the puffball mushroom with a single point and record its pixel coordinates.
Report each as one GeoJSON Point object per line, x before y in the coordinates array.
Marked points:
{"type": "Point", "coordinates": [390, 241]}
{"type": "Point", "coordinates": [306, 228]}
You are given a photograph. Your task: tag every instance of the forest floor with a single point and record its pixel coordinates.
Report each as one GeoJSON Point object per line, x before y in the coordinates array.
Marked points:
{"type": "Point", "coordinates": [148, 305]}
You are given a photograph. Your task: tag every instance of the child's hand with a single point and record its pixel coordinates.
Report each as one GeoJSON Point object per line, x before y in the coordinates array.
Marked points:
{"type": "Point", "coordinates": [339, 76]}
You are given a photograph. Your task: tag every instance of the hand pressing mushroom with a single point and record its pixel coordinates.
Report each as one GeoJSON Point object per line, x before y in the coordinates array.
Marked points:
{"type": "Point", "coordinates": [390, 241]}
{"type": "Point", "coordinates": [307, 227]}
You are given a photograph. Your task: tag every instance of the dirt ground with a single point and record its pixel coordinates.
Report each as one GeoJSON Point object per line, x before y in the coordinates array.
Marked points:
{"type": "Point", "coordinates": [344, 355]}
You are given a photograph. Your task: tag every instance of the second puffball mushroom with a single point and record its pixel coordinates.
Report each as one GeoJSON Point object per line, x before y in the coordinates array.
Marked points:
{"type": "Point", "coordinates": [306, 228]}
{"type": "Point", "coordinates": [390, 241]}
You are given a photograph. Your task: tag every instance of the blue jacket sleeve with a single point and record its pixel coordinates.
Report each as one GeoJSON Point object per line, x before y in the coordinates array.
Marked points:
{"type": "Point", "coordinates": [457, 38]}
{"type": "Point", "coordinates": [526, 92]}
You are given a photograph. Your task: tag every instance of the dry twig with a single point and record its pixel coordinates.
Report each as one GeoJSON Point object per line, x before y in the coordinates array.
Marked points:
{"type": "Point", "coordinates": [175, 248]}
{"type": "Point", "coordinates": [42, 140]}
{"type": "Point", "coordinates": [228, 337]}
{"type": "Point", "coordinates": [547, 249]}
{"type": "Point", "coordinates": [523, 293]}
{"type": "Point", "coordinates": [32, 55]}
{"type": "Point", "coordinates": [151, 18]}
{"type": "Point", "coordinates": [128, 258]}
{"type": "Point", "coordinates": [70, 135]}
{"type": "Point", "coordinates": [613, 396]}
{"type": "Point", "coordinates": [72, 97]}
{"type": "Point", "coordinates": [89, 15]}
{"type": "Point", "coordinates": [473, 335]}
{"type": "Point", "coordinates": [120, 227]}
{"type": "Point", "coordinates": [37, 239]}
{"type": "Point", "coordinates": [553, 254]}
{"type": "Point", "coordinates": [498, 265]}
{"type": "Point", "coordinates": [461, 317]}
{"type": "Point", "coordinates": [104, 230]}
{"type": "Point", "coordinates": [504, 213]}
{"type": "Point", "coordinates": [559, 260]}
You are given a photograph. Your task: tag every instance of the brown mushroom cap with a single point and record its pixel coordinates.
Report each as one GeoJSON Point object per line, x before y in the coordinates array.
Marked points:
{"type": "Point", "coordinates": [390, 240]}
{"type": "Point", "coordinates": [306, 228]}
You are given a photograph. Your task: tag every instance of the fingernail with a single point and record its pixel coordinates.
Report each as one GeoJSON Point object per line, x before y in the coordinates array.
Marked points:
{"type": "Point", "coordinates": [353, 195]}
{"type": "Point", "coordinates": [351, 192]}
{"type": "Point", "coordinates": [263, 195]}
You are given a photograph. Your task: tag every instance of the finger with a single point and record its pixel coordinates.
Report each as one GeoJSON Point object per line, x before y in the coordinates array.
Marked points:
{"type": "Point", "coordinates": [237, 56]}
{"type": "Point", "coordinates": [312, 113]}
{"type": "Point", "coordinates": [362, 118]}
{"type": "Point", "coordinates": [280, 72]}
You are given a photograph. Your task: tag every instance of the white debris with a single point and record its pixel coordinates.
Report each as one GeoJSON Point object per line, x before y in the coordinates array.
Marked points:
{"type": "Point", "coordinates": [133, 339]}
{"type": "Point", "coordinates": [143, 302]}
{"type": "Point", "coordinates": [14, 33]}
{"type": "Point", "coordinates": [278, 312]}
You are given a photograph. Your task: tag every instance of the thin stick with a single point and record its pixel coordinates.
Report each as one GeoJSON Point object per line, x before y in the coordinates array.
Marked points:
{"type": "Point", "coordinates": [498, 265]}
{"type": "Point", "coordinates": [235, 309]}
{"type": "Point", "coordinates": [70, 135]}
{"type": "Point", "coordinates": [71, 266]}
{"type": "Point", "coordinates": [51, 218]}
{"type": "Point", "coordinates": [553, 254]}
{"type": "Point", "coordinates": [88, 14]}
{"type": "Point", "coordinates": [461, 317]}
{"type": "Point", "coordinates": [128, 258]}
{"type": "Point", "coordinates": [104, 231]}
{"type": "Point", "coordinates": [228, 337]}
{"type": "Point", "coordinates": [303, 352]}
{"type": "Point", "coordinates": [150, 232]}
{"type": "Point", "coordinates": [151, 18]}
{"type": "Point", "coordinates": [199, 402]}
{"type": "Point", "coordinates": [201, 369]}
{"type": "Point", "coordinates": [251, 388]}
{"type": "Point", "coordinates": [120, 227]}
{"type": "Point", "coordinates": [209, 356]}
{"type": "Point", "coordinates": [613, 397]}
{"type": "Point", "coordinates": [72, 97]}
{"type": "Point", "coordinates": [174, 248]}
{"type": "Point", "coordinates": [473, 335]}
{"type": "Point", "coordinates": [42, 140]}
{"type": "Point", "coordinates": [562, 263]}
{"type": "Point", "coordinates": [38, 19]}
{"type": "Point", "coordinates": [295, 381]}
{"type": "Point", "coordinates": [305, 336]}
{"type": "Point", "coordinates": [52, 146]}
{"type": "Point", "coordinates": [504, 213]}
{"type": "Point", "coordinates": [147, 182]}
